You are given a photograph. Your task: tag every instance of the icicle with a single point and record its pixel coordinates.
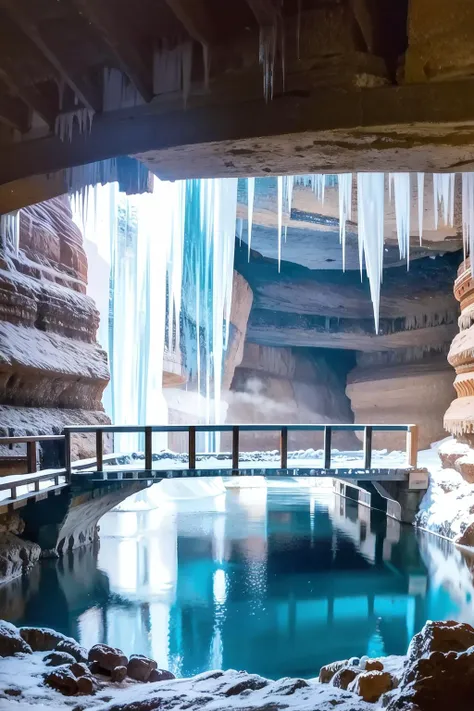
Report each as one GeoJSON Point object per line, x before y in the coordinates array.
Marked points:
{"type": "Point", "coordinates": [402, 195]}
{"type": "Point", "coordinates": [317, 183]}
{"type": "Point", "coordinates": [64, 123]}
{"type": "Point", "coordinates": [370, 209]}
{"type": "Point", "coordinates": [468, 213]}
{"type": "Point", "coordinates": [298, 31]}
{"type": "Point", "coordinates": [420, 181]}
{"type": "Point", "coordinates": [119, 92]}
{"type": "Point", "coordinates": [443, 194]}
{"type": "Point", "coordinates": [345, 210]}
{"type": "Point", "coordinates": [240, 229]}
{"type": "Point", "coordinates": [280, 215]}
{"type": "Point", "coordinates": [10, 231]}
{"type": "Point", "coordinates": [288, 183]}
{"type": "Point", "coordinates": [267, 55]}
{"type": "Point", "coordinates": [172, 68]}
{"type": "Point", "coordinates": [250, 202]}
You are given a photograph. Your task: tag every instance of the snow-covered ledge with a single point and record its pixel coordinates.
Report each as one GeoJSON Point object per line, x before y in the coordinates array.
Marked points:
{"type": "Point", "coordinates": [447, 508]}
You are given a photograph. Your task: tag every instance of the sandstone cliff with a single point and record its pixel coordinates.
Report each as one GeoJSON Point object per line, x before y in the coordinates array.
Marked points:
{"type": "Point", "coordinates": [52, 370]}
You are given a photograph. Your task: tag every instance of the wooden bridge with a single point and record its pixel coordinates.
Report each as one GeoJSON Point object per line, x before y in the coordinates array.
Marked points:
{"type": "Point", "coordinates": [37, 483]}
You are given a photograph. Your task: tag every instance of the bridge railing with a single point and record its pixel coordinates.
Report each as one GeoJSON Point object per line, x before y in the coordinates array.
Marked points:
{"type": "Point", "coordinates": [283, 430]}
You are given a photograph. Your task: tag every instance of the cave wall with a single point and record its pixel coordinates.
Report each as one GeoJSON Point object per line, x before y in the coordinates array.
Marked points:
{"type": "Point", "coordinates": [289, 386]}
{"type": "Point", "coordinates": [52, 370]}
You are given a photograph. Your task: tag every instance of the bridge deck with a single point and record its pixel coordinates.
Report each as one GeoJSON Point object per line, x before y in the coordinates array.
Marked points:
{"type": "Point", "coordinates": [17, 489]}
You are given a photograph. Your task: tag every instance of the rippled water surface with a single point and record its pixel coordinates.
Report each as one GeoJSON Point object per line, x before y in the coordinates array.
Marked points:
{"type": "Point", "coordinates": [276, 581]}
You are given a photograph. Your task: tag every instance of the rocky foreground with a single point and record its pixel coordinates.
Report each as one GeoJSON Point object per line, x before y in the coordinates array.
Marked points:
{"type": "Point", "coordinates": [43, 668]}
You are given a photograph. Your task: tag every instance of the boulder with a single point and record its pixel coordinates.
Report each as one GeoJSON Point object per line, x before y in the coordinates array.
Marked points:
{"type": "Point", "coordinates": [72, 648]}
{"type": "Point", "coordinates": [161, 675]}
{"type": "Point", "coordinates": [327, 672]}
{"type": "Point", "coordinates": [57, 659]}
{"type": "Point", "coordinates": [344, 677]}
{"type": "Point", "coordinates": [119, 674]}
{"type": "Point", "coordinates": [43, 639]}
{"type": "Point", "coordinates": [436, 683]}
{"type": "Point", "coordinates": [85, 685]}
{"type": "Point", "coordinates": [63, 680]}
{"type": "Point", "coordinates": [80, 669]}
{"type": "Point", "coordinates": [449, 636]}
{"type": "Point", "coordinates": [107, 657]}
{"type": "Point", "coordinates": [140, 667]}
{"type": "Point", "coordinates": [16, 556]}
{"type": "Point", "coordinates": [373, 665]}
{"type": "Point", "coordinates": [370, 685]}
{"type": "Point", "coordinates": [11, 642]}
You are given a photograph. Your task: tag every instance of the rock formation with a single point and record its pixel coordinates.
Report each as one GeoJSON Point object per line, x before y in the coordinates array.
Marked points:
{"type": "Point", "coordinates": [436, 673]}
{"type": "Point", "coordinates": [292, 386]}
{"type": "Point", "coordinates": [53, 372]}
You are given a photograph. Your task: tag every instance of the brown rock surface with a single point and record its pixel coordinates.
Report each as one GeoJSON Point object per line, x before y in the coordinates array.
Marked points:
{"type": "Point", "coordinates": [140, 667]}
{"type": "Point", "coordinates": [107, 657]}
{"type": "Point", "coordinates": [50, 362]}
{"type": "Point", "coordinates": [285, 386]}
{"type": "Point", "coordinates": [16, 556]}
{"type": "Point", "coordinates": [10, 640]}
{"type": "Point", "coordinates": [63, 680]}
{"type": "Point", "coordinates": [407, 393]}
{"type": "Point", "coordinates": [371, 685]}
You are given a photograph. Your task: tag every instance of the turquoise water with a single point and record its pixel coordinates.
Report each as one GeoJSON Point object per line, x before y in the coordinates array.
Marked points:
{"type": "Point", "coordinates": [276, 581]}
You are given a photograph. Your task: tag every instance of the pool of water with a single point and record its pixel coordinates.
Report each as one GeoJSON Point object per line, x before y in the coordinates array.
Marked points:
{"type": "Point", "coordinates": [276, 581]}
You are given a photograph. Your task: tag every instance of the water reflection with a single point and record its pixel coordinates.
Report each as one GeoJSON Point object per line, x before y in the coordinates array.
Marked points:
{"type": "Point", "coordinates": [275, 581]}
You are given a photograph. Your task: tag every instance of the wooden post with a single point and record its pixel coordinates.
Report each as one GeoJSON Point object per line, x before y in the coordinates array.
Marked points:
{"type": "Point", "coordinates": [327, 446]}
{"type": "Point", "coordinates": [148, 448]}
{"type": "Point", "coordinates": [31, 454]}
{"type": "Point", "coordinates": [284, 448]}
{"type": "Point", "coordinates": [412, 445]}
{"type": "Point", "coordinates": [67, 453]}
{"type": "Point", "coordinates": [235, 448]}
{"type": "Point", "coordinates": [192, 447]}
{"type": "Point", "coordinates": [99, 451]}
{"type": "Point", "coordinates": [367, 447]}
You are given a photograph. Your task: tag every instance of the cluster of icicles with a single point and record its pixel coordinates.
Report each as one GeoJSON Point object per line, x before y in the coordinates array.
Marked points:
{"type": "Point", "coordinates": [157, 260]}
{"type": "Point", "coordinates": [371, 213]}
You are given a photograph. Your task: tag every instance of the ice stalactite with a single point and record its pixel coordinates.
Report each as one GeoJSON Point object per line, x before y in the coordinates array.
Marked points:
{"type": "Point", "coordinates": [250, 203]}
{"type": "Point", "coordinates": [402, 197]}
{"type": "Point", "coordinates": [345, 210]}
{"type": "Point", "coordinates": [443, 196]}
{"type": "Point", "coordinates": [267, 57]}
{"type": "Point", "coordinates": [280, 215]}
{"type": "Point", "coordinates": [10, 231]}
{"type": "Point", "coordinates": [370, 209]}
{"type": "Point", "coordinates": [288, 184]}
{"type": "Point", "coordinates": [172, 68]}
{"type": "Point", "coordinates": [118, 91]}
{"type": "Point", "coordinates": [468, 213]}
{"type": "Point", "coordinates": [64, 123]}
{"type": "Point", "coordinates": [420, 183]}
{"type": "Point", "coordinates": [317, 183]}
{"type": "Point", "coordinates": [211, 207]}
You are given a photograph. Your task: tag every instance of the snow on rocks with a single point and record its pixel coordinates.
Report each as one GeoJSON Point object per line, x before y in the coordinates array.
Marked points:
{"type": "Point", "coordinates": [438, 671]}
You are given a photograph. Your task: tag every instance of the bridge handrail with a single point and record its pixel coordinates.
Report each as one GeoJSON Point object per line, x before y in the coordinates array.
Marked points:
{"type": "Point", "coordinates": [192, 430]}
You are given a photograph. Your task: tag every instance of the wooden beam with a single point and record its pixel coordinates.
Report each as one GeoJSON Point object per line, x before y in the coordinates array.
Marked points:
{"type": "Point", "coordinates": [115, 33]}
{"type": "Point", "coordinates": [195, 17]}
{"type": "Point", "coordinates": [82, 87]}
{"type": "Point", "coordinates": [265, 11]}
{"type": "Point", "coordinates": [420, 127]}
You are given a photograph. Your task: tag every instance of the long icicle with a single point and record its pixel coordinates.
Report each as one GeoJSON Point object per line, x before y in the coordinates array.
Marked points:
{"type": "Point", "coordinates": [280, 215]}
{"type": "Point", "coordinates": [420, 182]}
{"type": "Point", "coordinates": [402, 196]}
{"type": "Point", "coordinates": [250, 202]}
{"type": "Point", "coordinates": [345, 210]}
{"type": "Point", "coordinates": [370, 208]}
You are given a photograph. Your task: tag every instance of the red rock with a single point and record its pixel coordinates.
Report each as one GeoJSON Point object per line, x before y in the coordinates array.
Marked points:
{"type": "Point", "coordinates": [118, 674]}
{"type": "Point", "coordinates": [161, 675]}
{"type": "Point", "coordinates": [371, 685]}
{"type": "Point", "coordinates": [140, 667]}
{"type": "Point", "coordinates": [62, 679]}
{"type": "Point", "coordinates": [107, 657]}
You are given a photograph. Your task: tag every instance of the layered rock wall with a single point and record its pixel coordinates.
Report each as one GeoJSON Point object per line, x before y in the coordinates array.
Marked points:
{"type": "Point", "coordinates": [287, 386]}
{"type": "Point", "coordinates": [52, 370]}
{"type": "Point", "coordinates": [412, 391]}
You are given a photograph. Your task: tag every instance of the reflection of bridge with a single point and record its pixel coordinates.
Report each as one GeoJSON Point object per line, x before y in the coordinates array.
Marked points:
{"type": "Point", "coordinates": [103, 481]}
